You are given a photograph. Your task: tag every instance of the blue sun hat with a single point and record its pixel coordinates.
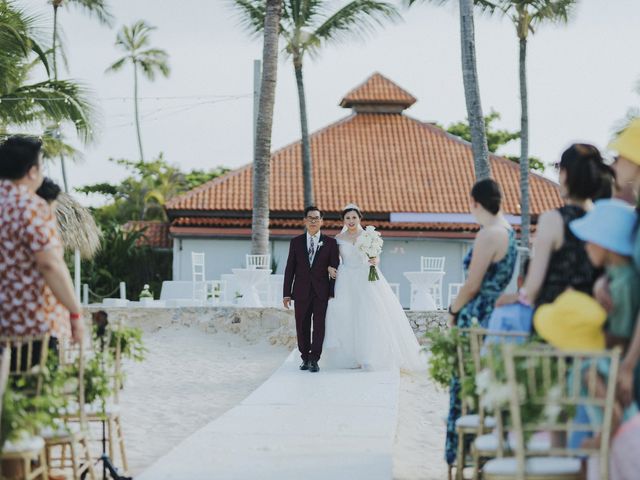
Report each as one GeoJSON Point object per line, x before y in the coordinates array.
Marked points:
{"type": "Point", "coordinates": [611, 225]}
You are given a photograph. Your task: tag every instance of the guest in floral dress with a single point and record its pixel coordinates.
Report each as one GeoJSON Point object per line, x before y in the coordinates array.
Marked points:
{"type": "Point", "coordinates": [489, 267]}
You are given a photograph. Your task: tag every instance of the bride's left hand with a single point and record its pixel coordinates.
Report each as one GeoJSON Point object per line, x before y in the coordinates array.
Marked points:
{"type": "Point", "coordinates": [374, 261]}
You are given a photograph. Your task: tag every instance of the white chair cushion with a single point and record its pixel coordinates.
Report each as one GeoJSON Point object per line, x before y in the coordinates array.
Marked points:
{"type": "Point", "coordinates": [486, 443]}
{"type": "Point", "coordinates": [24, 444]}
{"type": "Point", "coordinates": [539, 442]}
{"type": "Point", "coordinates": [472, 421]}
{"type": "Point", "coordinates": [534, 466]}
{"type": "Point", "coordinates": [93, 409]}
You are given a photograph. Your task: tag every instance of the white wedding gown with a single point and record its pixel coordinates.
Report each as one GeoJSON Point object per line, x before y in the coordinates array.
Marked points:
{"type": "Point", "coordinates": [365, 324]}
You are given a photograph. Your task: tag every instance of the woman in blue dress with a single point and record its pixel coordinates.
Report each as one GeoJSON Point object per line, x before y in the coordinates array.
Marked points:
{"type": "Point", "coordinates": [489, 268]}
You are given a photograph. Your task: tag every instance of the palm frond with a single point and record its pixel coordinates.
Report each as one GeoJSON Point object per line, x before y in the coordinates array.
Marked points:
{"type": "Point", "coordinates": [251, 15]}
{"type": "Point", "coordinates": [53, 100]}
{"type": "Point", "coordinates": [98, 9]}
{"type": "Point", "coordinates": [117, 65]}
{"type": "Point", "coordinates": [357, 18]}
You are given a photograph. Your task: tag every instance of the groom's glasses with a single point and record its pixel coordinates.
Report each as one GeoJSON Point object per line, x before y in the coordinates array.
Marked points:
{"type": "Point", "coordinates": [314, 219]}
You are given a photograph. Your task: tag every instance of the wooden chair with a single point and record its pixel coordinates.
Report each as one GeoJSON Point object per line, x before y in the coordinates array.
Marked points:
{"type": "Point", "coordinates": [69, 435]}
{"type": "Point", "coordinates": [468, 424]}
{"type": "Point", "coordinates": [258, 261]}
{"type": "Point", "coordinates": [5, 363]}
{"type": "Point", "coordinates": [26, 358]}
{"type": "Point", "coordinates": [576, 376]}
{"type": "Point", "coordinates": [493, 444]}
{"type": "Point", "coordinates": [110, 413]}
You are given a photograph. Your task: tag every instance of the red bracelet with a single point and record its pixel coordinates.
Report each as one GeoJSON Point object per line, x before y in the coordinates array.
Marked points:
{"type": "Point", "coordinates": [74, 316]}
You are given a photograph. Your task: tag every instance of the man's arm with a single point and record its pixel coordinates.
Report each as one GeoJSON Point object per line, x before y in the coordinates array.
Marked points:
{"type": "Point", "coordinates": [289, 275]}
{"type": "Point", "coordinates": [50, 263]}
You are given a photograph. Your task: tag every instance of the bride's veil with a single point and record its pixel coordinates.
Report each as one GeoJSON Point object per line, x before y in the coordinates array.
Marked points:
{"type": "Point", "coordinates": [350, 207]}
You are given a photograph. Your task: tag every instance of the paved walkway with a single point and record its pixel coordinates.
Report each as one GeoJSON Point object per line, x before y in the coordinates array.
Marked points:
{"type": "Point", "coordinates": [333, 425]}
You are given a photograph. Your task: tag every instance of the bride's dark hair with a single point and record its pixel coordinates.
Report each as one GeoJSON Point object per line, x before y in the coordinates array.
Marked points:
{"type": "Point", "coordinates": [351, 209]}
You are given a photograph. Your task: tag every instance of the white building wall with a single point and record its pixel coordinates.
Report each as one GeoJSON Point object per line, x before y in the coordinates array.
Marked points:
{"type": "Point", "coordinates": [399, 256]}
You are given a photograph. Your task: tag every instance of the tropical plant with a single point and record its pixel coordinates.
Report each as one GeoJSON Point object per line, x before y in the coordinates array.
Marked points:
{"type": "Point", "coordinates": [124, 258]}
{"type": "Point", "coordinates": [526, 16]}
{"type": "Point", "coordinates": [142, 195]}
{"type": "Point", "coordinates": [496, 138]}
{"type": "Point", "coordinates": [262, 154]}
{"type": "Point", "coordinates": [306, 26]}
{"type": "Point", "coordinates": [23, 102]}
{"type": "Point", "coordinates": [135, 42]}
{"type": "Point", "coordinates": [472, 88]}
{"type": "Point", "coordinates": [95, 8]}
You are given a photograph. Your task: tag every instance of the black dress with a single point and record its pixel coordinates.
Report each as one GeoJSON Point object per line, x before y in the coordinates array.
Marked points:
{"type": "Point", "coordinates": [569, 266]}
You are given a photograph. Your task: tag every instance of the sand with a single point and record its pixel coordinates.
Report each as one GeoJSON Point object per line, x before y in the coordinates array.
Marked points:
{"type": "Point", "coordinates": [191, 377]}
{"type": "Point", "coordinates": [418, 452]}
{"type": "Point", "coordinates": [188, 379]}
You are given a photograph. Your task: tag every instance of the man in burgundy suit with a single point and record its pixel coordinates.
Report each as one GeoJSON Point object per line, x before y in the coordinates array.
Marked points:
{"type": "Point", "coordinates": [307, 282]}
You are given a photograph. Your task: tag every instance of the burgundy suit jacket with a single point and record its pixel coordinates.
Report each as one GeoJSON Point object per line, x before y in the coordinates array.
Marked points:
{"type": "Point", "coordinates": [302, 279]}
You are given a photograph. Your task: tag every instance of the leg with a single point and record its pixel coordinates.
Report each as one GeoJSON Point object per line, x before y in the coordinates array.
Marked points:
{"type": "Point", "coordinates": [303, 327]}
{"type": "Point", "coordinates": [110, 429]}
{"type": "Point", "coordinates": [319, 313]}
{"type": "Point", "coordinates": [88, 459]}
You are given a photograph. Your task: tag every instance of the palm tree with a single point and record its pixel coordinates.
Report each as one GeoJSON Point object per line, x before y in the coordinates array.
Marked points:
{"type": "Point", "coordinates": [262, 154]}
{"type": "Point", "coordinates": [24, 103]}
{"type": "Point", "coordinates": [96, 8]}
{"type": "Point", "coordinates": [306, 26]}
{"type": "Point", "coordinates": [472, 88]}
{"type": "Point", "coordinates": [135, 41]}
{"type": "Point", "coordinates": [526, 15]}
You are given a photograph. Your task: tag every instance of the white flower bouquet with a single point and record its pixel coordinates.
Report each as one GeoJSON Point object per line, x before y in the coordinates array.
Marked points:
{"type": "Point", "coordinates": [370, 243]}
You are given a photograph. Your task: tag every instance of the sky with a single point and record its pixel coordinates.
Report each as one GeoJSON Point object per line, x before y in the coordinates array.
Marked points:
{"type": "Point", "coordinates": [581, 79]}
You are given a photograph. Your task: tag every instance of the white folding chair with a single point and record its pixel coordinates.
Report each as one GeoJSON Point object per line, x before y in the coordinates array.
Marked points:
{"type": "Point", "coordinates": [396, 289]}
{"type": "Point", "coordinates": [432, 264]}
{"type": "Point", "coordinates": [198, 276]}
{"type": "Point", "coordinates": [454, 289]}
{"type": "Point", "coordinates": [262, 262]}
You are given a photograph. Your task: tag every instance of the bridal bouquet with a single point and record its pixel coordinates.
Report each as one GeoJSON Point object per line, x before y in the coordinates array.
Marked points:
{"type": "Point", "coordinates": [370, 243]}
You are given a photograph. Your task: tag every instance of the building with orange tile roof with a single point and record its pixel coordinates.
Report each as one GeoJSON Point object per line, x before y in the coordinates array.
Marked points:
{"type": "Point", "coordinates": [410, 178]}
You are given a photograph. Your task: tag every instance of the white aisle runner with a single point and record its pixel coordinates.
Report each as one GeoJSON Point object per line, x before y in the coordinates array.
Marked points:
{"type": "Point", "coordinates": [331, 425]}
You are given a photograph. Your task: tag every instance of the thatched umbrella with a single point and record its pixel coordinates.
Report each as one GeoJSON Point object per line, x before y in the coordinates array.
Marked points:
{"type": "Point", "coordinates": [77, 227]}
{"type": "Point", "coordinates": [78, 230]}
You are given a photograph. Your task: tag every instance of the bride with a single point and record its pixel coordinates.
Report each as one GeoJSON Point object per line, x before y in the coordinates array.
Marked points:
{"type": "Point", "coordinates": [365, 324]}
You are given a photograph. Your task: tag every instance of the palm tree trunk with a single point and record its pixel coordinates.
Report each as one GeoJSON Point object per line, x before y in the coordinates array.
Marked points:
{"type": "Point", "coordinates": [54, 50]}
{"type": "Point", "coordinates": [472, 92]}
{"type": "Point", "coordinates": [307, 171]}
{"type": "Point", "coordinates": [262, 154]}
{"type": "Point", "coordinates": [524, 145]}
{"type": "Point", "coordinates": [135, 106]}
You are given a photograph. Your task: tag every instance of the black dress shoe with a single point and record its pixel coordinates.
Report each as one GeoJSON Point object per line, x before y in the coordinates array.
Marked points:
{"type": "Point", "coordinates": [313, 366]}
{"type": "Point", "coordinates": [304, 365]}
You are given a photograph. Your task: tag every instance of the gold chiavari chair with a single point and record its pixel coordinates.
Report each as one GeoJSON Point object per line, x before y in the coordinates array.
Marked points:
{"type": "Point", "coordinates": [531, 373]}
{"type": "Point", "coordinates": [27, 362]}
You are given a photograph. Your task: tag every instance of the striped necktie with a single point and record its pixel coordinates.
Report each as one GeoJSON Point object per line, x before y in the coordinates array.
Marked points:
{"type": "Point", "coordinates": [311, 251]}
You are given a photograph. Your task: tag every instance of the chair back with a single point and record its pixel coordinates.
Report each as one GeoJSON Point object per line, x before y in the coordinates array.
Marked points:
{"type": "Point", "coordinates": [72, 356]}
{"type": "Point", "coordinates": [197, 267]}
{"type": "Point", "coordinates": [432, 264]}
{"type": "Point", "coordinates": [575, 376]}
{"type": "Point", "coordinates": [28, 359]}
{"type": "Point", "coordinates": [5, 363]}
{"type": "Point", "coordinates": [479, 339]}
{"type": "Point", "coordinates": [262, 262]}
{"type": "Point", "coordinates": [216, 290]}
{"type": "Point", "coordinates": [454, 290]}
